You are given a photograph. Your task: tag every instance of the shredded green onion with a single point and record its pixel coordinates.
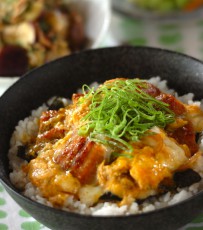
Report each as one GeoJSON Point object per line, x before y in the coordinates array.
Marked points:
{"type": "Point", "coordinates": [120, 112]}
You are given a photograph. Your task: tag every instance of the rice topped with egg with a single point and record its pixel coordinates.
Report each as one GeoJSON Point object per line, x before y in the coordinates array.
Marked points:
{"type": "Point", "coordinates": [127, 146]}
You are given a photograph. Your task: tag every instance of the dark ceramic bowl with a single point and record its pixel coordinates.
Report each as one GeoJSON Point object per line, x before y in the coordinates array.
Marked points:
{"type": "Point", "coordinates": [62, 77]}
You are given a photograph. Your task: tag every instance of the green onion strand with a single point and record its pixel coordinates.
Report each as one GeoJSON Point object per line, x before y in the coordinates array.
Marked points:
{"type": "Point", "coordinates": [120, 112]}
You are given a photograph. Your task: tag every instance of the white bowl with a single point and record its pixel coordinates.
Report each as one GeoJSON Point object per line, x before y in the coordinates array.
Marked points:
{"type": "Point", "coordinates": [6, 82]}
{"type": "Point", "coordinates": [97, 16]}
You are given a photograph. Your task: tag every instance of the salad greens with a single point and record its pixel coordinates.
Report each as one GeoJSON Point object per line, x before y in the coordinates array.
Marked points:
{"type": "Point", "coordinates": [161, 5]}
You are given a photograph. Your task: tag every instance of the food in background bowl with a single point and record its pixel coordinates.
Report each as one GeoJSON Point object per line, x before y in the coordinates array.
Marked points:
{"type": "Point", "coordinates": [35, 32]}
{"type": "Point", "coordinates": [113, 147]}
{"type": "Point", "coordinates": [159, 10]}
{"type": "Point", "coordinates": [169, 5]}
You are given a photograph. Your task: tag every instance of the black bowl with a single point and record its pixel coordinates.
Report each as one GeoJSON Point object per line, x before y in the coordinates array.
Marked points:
{"type": "Point", "coordinates": [62, 77]}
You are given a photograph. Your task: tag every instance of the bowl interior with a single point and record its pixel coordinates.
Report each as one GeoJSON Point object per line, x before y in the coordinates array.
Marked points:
{"type": "Point", "coordinates": [62, 78]}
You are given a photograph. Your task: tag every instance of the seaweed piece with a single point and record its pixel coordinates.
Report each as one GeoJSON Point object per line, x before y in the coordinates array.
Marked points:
{"type": "Point", "coordinates": [56, 104]}
{"type": "Point", "coordinates": [110, 197]}
{"type": "Point", "coordinates": [166, 185]}
{"type": "Point", "coordinates": [186, 178]}
{"type": "Point", "coordinates": [149, 199]}
{"type": "Point", "coordinates": [197, 137]}
{"type": "Point", "coordinates": [21, 153]}
{"type": "Point", "coordinates": [180, 179]}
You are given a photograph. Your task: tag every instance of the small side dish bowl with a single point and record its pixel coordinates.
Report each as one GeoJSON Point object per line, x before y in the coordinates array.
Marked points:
{"type": "Point", "coordinates": [63, 77]}
{"type": "Point", "coordinates": [46, 30]}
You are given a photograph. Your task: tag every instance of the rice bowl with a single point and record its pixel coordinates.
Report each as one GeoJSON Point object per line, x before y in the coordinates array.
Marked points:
{"type": "Point", "coordinates": [181, 72]}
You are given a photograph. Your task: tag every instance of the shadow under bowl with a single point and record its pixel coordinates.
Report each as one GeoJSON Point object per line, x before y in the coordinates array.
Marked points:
{"type": "Point", "coordinates": [62, 78]}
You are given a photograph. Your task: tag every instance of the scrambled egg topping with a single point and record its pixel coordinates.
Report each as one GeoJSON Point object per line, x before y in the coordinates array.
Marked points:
{"type": "Point", "coordinates": [68, 163]}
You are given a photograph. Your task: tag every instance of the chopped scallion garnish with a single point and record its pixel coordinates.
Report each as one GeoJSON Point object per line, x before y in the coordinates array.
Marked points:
{"type": "Point", "coordinates": [120, 112]}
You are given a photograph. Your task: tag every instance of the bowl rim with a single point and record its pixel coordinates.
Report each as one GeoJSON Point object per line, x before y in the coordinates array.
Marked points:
{"type": "Point", "coordinates": [105, 27]}
{"type": "Point", "coordinates": [89, 216]}
{"type": "Point", "coordinates": [100, 49]}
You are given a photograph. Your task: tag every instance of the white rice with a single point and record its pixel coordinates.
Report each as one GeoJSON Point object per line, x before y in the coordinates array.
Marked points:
{"type": "Point", "coordinates": [27, 128]}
